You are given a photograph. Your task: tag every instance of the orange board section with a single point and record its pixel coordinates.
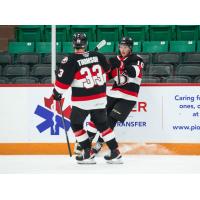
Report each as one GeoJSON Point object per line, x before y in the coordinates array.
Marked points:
{"type": "Point", "coordinates": [126, 148]}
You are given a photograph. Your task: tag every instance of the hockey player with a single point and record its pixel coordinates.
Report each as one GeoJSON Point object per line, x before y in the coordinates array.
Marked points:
{"type": "Point", "coordinates": [126, 70]}
{"type": "Point", "coordinates": [86, 72]}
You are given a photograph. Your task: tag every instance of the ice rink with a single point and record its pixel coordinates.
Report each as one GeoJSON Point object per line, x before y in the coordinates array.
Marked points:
{"type": "Point", "coordinates": [132, 164]}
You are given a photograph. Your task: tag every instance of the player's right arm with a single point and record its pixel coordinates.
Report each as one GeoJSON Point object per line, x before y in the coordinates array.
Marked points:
{"type": "Point", "coordinates": [64, 77]}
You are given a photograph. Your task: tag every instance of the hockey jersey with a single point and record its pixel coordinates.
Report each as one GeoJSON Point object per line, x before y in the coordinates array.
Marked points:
{"type": "Point", "coordinates": [86, 74]}
{"type": "Point", "coordinates": [127, 73]}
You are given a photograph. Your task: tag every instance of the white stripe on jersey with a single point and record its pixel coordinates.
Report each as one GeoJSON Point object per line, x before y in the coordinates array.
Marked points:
{"type": "Point", "coordinates": [137, 70]}
{"type": "Point", "coordinates": [135, 80]}
{"type": "Point", "coordinates": [59, 90]}
{"type": "Point", "coordinates": [91, 104]}
{"type": "Point", "coordinates": [120, 95]}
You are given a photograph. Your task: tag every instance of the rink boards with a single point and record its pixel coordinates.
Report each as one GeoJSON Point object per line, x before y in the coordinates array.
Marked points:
{"type": "Point", "coordinates": [165, 121]}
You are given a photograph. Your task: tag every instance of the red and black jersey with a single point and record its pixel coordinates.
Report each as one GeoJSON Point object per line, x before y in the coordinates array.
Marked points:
{"type": "Point", "coordinates": [127, 73]}
{"type": "Point", "coordinates": [86, 74]}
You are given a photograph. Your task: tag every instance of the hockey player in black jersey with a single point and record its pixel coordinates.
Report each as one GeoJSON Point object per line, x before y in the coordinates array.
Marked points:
{"type": "Point", "coordinates": [126, 70]}
{"type": "Point", "coordinates": [85, 72]}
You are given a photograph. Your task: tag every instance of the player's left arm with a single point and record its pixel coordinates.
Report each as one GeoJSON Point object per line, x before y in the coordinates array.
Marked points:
{"type": "Point", "coordinates": [134, 69]}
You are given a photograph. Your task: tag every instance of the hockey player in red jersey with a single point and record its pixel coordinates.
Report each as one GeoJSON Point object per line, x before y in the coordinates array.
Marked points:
{"type": "Point", "coordinates": [85, 72]}
{"type": "Point", "coordinates": [126, 70]}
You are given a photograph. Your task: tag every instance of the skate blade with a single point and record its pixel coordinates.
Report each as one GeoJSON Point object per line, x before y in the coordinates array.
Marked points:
{"type": "Point", "coordinates": [115, 161]}
{"type": "Point", "coordinates": [87, 162]}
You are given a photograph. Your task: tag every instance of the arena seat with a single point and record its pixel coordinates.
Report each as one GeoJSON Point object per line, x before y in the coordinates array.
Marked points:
{"type": "Point", "coordinates": [62, 33]}
{"type": "Point", "coordinates": [89, 30]}
{"type": "Point", "coordinates": [41, 70]}
{"type": "Point", "coordinates": [155, 46]}
{"type": "Point", "coordinates": [150, 79]}
{"type": "Point", "coordinates": [191, 58]}
{"type": "Point", "coordinates": [161, 32]}
{"type": "Point", "coordinates": [29, 33]}
{"type": "Point", "coordinates": [46, 80]}
{"type": "Point", "coordinates": [16, 70]}
{"type": "Point", "coordinates": [45, 47]}
{"type": "Point", "coordinates": [20, 47]}
{"type": "Point", "coordinates": [4, 80]}
{"type": "Point", "coordinates": [5, 59]}
{"type": "Point", "coordinates": [161, 58]}
{"type": "Point", "coordinates": [24, 80]}
{"type": "Point", "coordinates": [160, 70]}
{"type": "Point", "coordinates": [47, 58]}
{"type": "Point", "coordinates": [30, 58]}
{"type": "Point", "coordinates": [137, 32]}
{"type": "Point", "coordinates": [188, 70]}
{"type": "Point", "coordinates": [108, 48]}
{"type": "Point", "coordinates": [67, 47]}
{"type": "Point", "coordinates": [187, 32]}
{"type": "Point", "coordinates": [111, 33]}
{"type": "Point", "coordinates": [182, 46]}
{"type": "Point", "coordinates": [177, 79]}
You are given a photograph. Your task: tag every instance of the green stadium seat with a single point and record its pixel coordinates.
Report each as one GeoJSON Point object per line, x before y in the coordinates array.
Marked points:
{"type": "Point", "coordinates": [182, 46]}
{"type": "Point", "coordinates": [111, 33]}
{"type": "Point", "coordinates": [137, 32]}
{"type": "Point", "coordinates": [155, 46]}
{"type": "Point", "coordinates": [20, 47]}
{"type": "Point", "coordinates": [137, 47]}
{"type": "Point", "coordinates": [67, 47]}
{"type": "Point", "coordinates": [45, 47]}
{"type": "Point", "coordinates": [0, 70]}
{"type": "Point", "coordinates": [164, 58]}
{"type": "Point", "coordinates": [177, 79]}
{"type": "Point", "coordinates": [161, 32]}
{"type": "Point", "coordinates": [29, 33]}
{"type": "Point", "coordinates": [89, 30]}
{"type": "Point", "coordinates": [189, 32]}
{"type": "Point", "coordinates": [198, 46]}
{"type": "Point", "coordinates": [108, 48]}
{"type": "Point", "coordinates": [62, 33]}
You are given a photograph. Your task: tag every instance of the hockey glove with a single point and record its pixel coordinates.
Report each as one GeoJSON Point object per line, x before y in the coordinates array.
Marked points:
{"type": "Point", "coordinates": [115, 63]}
{"type": "Point", "coordinates": [56, 95]}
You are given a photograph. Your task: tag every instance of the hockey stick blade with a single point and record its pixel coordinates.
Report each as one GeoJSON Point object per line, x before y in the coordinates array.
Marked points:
{"type": "Point", "coordinates": [100, 45]}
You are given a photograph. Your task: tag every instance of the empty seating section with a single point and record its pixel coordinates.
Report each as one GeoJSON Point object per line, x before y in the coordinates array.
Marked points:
{"type": "Point", "coordinates": [171, 53]}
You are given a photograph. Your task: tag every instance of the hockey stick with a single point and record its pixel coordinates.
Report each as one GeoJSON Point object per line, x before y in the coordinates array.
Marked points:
{"type": "Point", "coordinates": [68, 145]}
{"type": "Point", "coordinates": [100, 45]}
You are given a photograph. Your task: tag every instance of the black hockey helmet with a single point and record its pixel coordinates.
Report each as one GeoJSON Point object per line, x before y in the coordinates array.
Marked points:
{"type": "Point", "coordinates": [79, 40]}
{"type": "Point", "coordinates": [127, 41]}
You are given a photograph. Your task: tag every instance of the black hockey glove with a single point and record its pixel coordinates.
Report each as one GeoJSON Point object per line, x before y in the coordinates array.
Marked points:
{"type": "Point", "coordinates": [56, 95]}
{"type": "Point", "coordinates": [115, 63]}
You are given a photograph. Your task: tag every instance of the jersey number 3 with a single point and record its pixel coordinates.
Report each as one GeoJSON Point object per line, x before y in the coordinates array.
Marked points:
{"type": "Point", "coordinates": [92, 80]}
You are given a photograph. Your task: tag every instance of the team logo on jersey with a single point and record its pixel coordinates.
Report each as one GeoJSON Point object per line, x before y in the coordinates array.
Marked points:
{"type": "Point", "coordinates": [86, 55]}
{"type": "Point", "coordinates": [64, 60]}
{"type": "Point", "coordinates": [50, 115]}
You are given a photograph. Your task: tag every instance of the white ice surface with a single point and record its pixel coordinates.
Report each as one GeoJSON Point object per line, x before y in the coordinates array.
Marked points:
{"type": "Point", "coordinates": [132, 164]}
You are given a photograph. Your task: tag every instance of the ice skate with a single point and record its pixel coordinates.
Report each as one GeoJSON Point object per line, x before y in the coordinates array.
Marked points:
{"type": "Point", "coordinates": [114, 157]}
{"type": "Point", "coordinates": [96, 149]}
{"type": "Point", "coordinates": [77, 149]}
{"type": "Point", "coordinates": [87, 157]}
